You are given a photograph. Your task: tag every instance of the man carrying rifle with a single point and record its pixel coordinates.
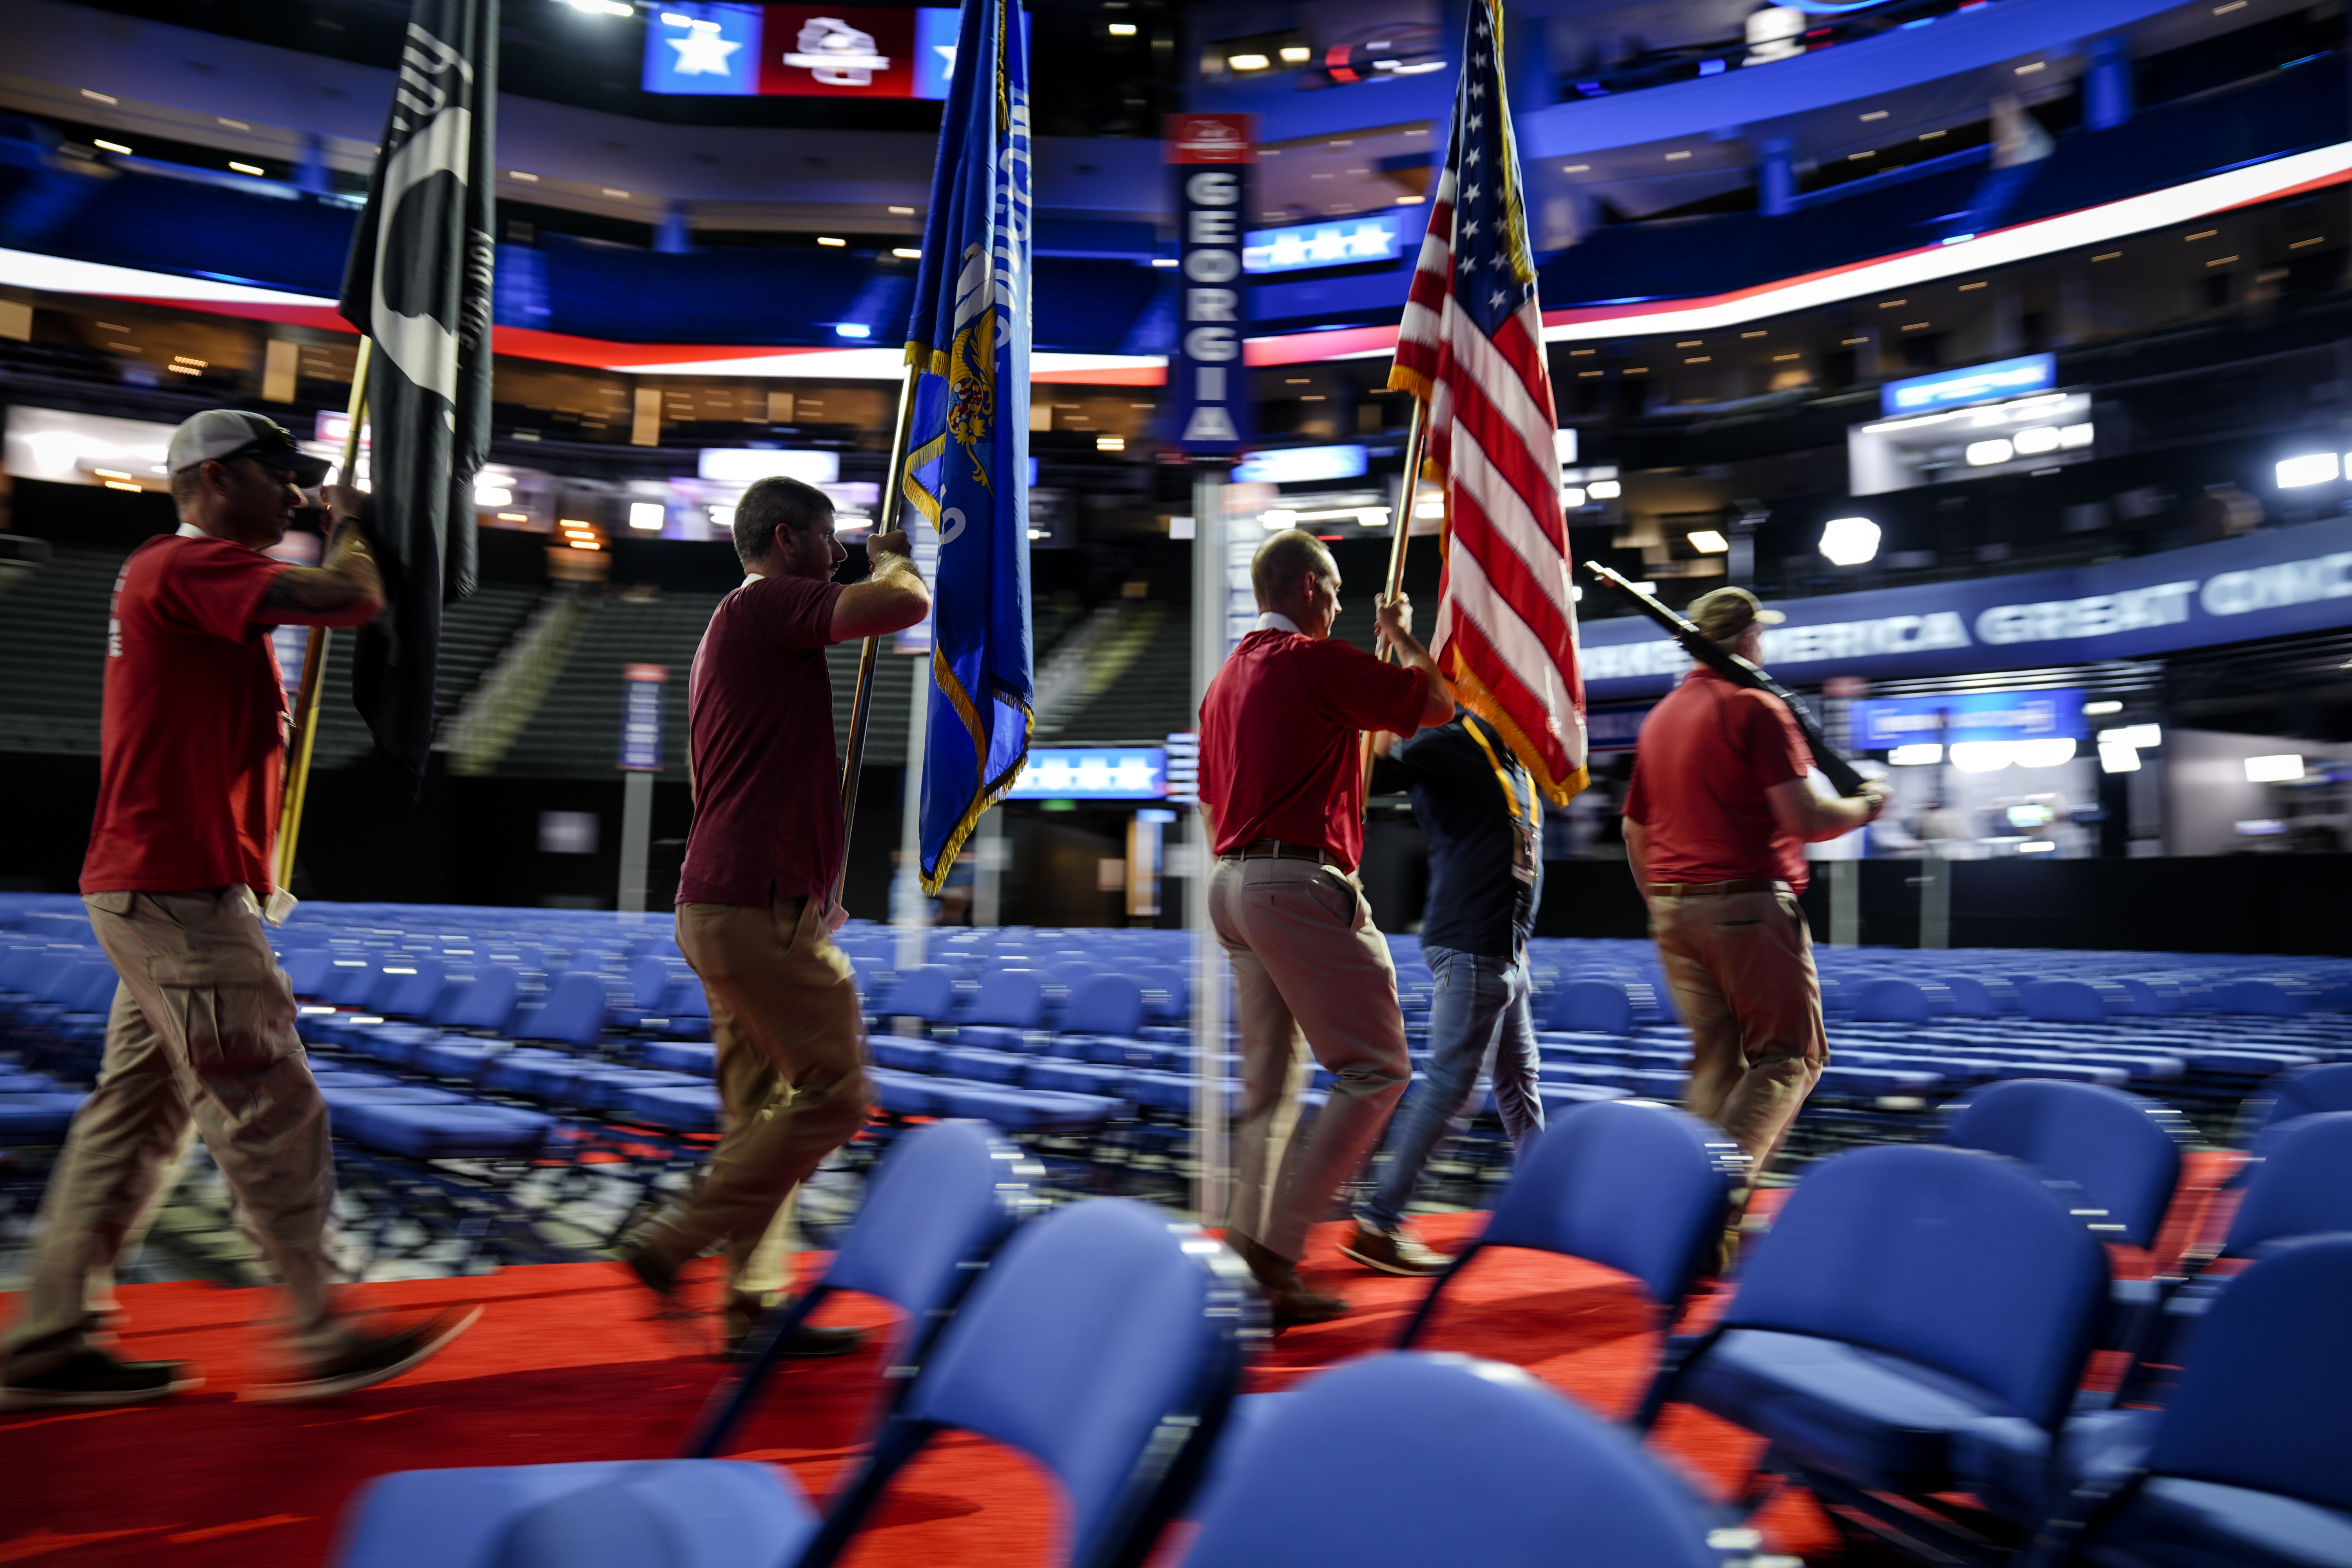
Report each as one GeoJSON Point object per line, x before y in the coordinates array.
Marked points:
{"type": "Point", "coordinates": [1720, 810]}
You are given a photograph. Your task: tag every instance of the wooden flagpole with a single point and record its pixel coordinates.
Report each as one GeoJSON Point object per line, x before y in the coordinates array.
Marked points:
{"type": "Point", "coordinates": [1401, 533]}
{"type": "Point", "coordinates": [885, 511]}
{"type": "Point", "coordinates": [304, 735]}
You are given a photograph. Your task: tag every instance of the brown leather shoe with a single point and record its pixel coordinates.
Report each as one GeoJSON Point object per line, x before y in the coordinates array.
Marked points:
{"type": "Point", "coordinates": [1289, 1302]}
{"type": "Point", "coordinates": [1298, 1305]}
{"type": "Point", "coordinates": [1393, 1252]}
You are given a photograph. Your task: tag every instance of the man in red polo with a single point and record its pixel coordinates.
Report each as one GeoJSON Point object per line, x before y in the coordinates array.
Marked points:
{"type": "Point", "coordinates": [1282, 780]}
{"type": "Point", "coordinates": [755, 896]}
{"type": "Point", "coordinates": [1721, 808]}
{"type": "Point", "coordinates": [201, 1038]}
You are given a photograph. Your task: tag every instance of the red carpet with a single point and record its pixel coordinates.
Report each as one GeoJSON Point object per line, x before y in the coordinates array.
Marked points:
{"type": "Point", "coordinates": [564, 1365]}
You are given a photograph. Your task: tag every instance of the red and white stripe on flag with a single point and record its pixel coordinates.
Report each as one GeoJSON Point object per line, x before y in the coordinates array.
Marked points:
{"type": "Point", "coordinates": [1506, 631]}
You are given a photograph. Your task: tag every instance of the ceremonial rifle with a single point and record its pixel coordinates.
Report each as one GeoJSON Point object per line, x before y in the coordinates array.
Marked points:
{"type": "Point", "coordinates": [1739, 672]}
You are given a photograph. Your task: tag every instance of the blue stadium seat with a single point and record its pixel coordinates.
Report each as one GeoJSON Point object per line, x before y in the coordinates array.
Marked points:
{"type": "Point", "coordinates": [2301, 1092]}
{"type": "Point", "coordinates": [572, 1014]}
{"type": "Point", "coordinates": [672, 1106]}
{"type": "Point", "coordinates": [1591, 1007]}
{"type": "Point", "coordinates": [1104, 1342]}
{"type": "Point", "coordinates": [1104, 1004]}
{"type": "Point", "coordinates": [2302, 1186]}
{"type": "Point", "coordinates": [467, 1130]}
{"type": "Point", "coordinates": [486, 1003]}
{"type": "Point", "coordinates": [1008, 1009]}
{"type": "Point", "coordinates": [36, 1117]}
{"type": "Point", "coordinates": [1527, 1479]}
{"type": "Point", "coordinates": [2123, 1152]}
{"type": "Point", "coordinates": [1639, 1187]}
{"type": "Point", "coordinates": [2247, 1467]}
{"type": "Point", "coordinates": [681, 1057]}
{"type": "Point", "coordinates": [941, 1204]}
{"type": "Point", "coordinates": [926, 993]}
{"type": "Point", "coordinates": [1916, 1322]}
{"type": "Point", "coordinates": [1891, 1001]}
{"type": "Point", "coordinates": [2063, 1002]}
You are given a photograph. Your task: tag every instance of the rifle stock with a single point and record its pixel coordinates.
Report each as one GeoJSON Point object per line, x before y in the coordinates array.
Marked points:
{"type": "Point", "coordinates": [1737, 670]}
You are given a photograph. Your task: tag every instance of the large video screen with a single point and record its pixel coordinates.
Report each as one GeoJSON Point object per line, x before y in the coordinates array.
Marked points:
{"type": "Point", "coordinates": [801, 51]}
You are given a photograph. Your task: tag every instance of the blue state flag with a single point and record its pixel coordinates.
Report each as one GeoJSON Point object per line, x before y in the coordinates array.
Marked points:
{"type": "Point", "coordinates": [967, 447]}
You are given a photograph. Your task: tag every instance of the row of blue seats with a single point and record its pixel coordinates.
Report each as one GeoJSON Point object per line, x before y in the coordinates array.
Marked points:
{"type": "Point", "coordinates": [1917, 1323]}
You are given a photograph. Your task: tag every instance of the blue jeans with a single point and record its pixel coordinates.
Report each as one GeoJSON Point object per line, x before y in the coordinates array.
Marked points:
{"type": "Point", "coordinates": [1479, 1023]}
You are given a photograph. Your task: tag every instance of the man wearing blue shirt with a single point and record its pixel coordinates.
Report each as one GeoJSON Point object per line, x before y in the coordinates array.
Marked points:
{"type": "Point", "coordinates": [1478, 808]}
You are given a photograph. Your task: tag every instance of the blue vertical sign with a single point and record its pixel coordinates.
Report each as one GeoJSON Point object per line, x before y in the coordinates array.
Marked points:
{"type": "Point", "coordinates": [641, 686]}
{"type": "Point", "coordinates": [1208, 387]}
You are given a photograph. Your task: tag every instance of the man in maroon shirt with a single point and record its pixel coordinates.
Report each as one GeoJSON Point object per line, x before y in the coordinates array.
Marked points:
{"type": "Point", "coordinates": [755, 910]}
{"type": "Point", "coordinates": [1282, 781]}
{"type": "Point", "coordinates": [1720, 810]}
{"type": "Point", "coordinates": [201, 1038]}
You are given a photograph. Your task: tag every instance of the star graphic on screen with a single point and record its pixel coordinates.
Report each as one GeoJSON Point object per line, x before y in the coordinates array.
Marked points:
{"type": "Point", "coordinates": [703, 54]}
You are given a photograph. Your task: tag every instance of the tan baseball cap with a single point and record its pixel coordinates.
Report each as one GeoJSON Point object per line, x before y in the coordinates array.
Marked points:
{"type": "Point", "coordinates": [1721, 615]}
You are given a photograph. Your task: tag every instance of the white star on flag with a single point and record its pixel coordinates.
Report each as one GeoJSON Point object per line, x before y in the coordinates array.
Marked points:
{"type": "Point", "coordinates": [703, 54]}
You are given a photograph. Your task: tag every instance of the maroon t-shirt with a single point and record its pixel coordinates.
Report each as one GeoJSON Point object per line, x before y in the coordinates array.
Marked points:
{"type": "Point", "coordinates": [1706, 757]}
{"type": "Point", "coordinates": [1279, 754]}
{"type": "Point", "coordinates": [767, 779]}
{"type": "Point", "coordinates": [191, 745]}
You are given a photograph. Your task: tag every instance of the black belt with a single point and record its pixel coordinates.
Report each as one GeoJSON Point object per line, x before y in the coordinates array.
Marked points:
{"type": "Point", "coordinates": [1276, 849]}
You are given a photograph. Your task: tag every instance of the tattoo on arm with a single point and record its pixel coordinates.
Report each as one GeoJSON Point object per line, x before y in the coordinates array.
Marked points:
{"type": "Point", "coordinates": [347, 579]}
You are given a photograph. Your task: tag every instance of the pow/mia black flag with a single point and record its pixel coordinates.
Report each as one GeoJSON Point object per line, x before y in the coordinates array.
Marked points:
{"type": "Point", "coordinates": [418, 283]}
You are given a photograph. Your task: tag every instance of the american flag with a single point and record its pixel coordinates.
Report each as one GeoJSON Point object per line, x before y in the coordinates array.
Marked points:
{"type": "Point", "coordinates": [1471, 347]}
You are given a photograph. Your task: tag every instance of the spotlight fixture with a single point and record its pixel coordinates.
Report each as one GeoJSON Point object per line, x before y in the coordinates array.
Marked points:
{"type": "Point", "coordinates": [1849, 541]}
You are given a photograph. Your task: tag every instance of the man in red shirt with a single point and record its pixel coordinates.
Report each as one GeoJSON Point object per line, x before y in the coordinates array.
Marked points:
{"type": "Point", "coordinates": [201, 1038]}
{"type": "Point", "coordinates": [755, 910]}
{"type": "Point", "coordinates": [1720, 810]}
{"type": "Point", "coordinates": [1282, 781]}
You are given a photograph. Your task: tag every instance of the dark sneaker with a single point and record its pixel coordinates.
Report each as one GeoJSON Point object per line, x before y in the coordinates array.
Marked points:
{"type": "Point", "coordinates": [1294, 1306]}
{"type": "Point", "coordinates": [94, 1379]}
{"type": "Point", "coordinates": [1393, 1252]}
{"type": "Point", "coordinates": [372, 1361]}
{"type": "Point", "coordinates": [810, 1343]}
{"type": "Point", "coordinates": [654, 1276]}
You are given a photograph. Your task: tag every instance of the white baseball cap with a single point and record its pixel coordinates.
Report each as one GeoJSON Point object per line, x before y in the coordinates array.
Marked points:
{"type": "Point", "coordinates": [219, 433]}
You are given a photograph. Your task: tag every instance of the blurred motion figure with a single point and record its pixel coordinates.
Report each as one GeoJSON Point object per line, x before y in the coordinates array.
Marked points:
{"type": "Point", "coordinates": [201, 1037]}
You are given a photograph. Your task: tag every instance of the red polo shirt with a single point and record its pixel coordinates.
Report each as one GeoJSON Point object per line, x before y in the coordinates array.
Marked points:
{"type": "Point", "coordinates": [193, 742]}
{"type": "Point", "coordinates": [1706, 755]}
{"type": "Point", "coordinates": [767, 779]}
{"type": "Point", "coordinates": [1279, 754]}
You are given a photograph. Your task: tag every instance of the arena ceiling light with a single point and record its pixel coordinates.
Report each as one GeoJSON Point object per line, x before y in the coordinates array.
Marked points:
{"type": "Point", "coordinates": [648, 515]}
{"type": "Point", "coordinates": [1708, 541]}
{"type": "Point", "coordinates": [1986, 454]}
{"type": "Point", "coordinates": [1570, 498]}
{"type": "Point", "coordinates": [2273, 769]}
{"type": "Point", "coordinates": [1918, 754]}
{"type": "Point", "coordinates": [2048, 751]}
{"type": "Point", "coordinates": [602, 7]}
{"type": "Point", "coordinates": [1604, 489]}
{"type": "Point", "coordinates": [1849, 541]}
{"type": "Point", "coordinates": [2115, 759]}
{"type": "Point", "coordinates": [2312, 469]}
{"type": "Point", "coordinates": [2139, 737]}
{"type": "Point", "coordinates": [1983, 756]}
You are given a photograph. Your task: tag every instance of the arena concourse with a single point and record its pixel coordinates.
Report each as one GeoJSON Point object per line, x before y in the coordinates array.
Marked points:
{"type": "Point", "coordinates": [1999, 350]}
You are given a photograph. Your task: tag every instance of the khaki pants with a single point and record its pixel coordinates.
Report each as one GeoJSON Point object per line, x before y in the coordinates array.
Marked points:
{"type": "Point", "coordinates": [784, 1018]}
{"type": "Point", "coordinates": [1741, 967]}
{"type": "Point", "coordinates": [1307, 957]}
{"type": "Point", "coordinates": [200, 1040]}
